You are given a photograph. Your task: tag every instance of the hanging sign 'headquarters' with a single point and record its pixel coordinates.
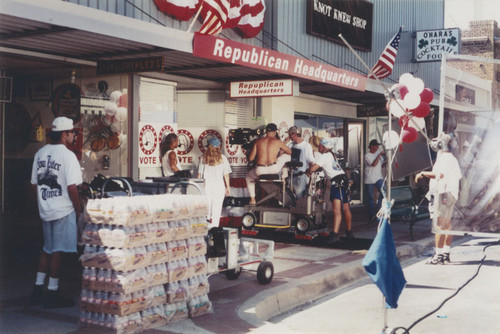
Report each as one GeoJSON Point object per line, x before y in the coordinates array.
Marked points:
{"type": "Point", "coordinates": [228, 51]}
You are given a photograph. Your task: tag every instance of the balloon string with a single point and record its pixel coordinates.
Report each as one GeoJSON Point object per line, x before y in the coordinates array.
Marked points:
{"type": "Point", "coordinates": [370, 72]}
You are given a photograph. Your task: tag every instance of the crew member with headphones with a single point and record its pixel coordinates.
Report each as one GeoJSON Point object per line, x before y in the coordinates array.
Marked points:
{"type": "Point", "coordinates": [443, 193]}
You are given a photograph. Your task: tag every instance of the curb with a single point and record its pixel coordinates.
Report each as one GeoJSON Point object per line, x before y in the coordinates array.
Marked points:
{"type": "Point", "coordinates": [272, 302]}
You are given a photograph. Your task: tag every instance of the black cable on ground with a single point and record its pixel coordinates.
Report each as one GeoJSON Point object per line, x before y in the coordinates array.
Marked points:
{"type": "Point", "coordinates": [407, 330]}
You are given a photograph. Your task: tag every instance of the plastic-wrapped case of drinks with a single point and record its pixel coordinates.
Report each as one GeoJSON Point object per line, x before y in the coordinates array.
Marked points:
{"type": "Point", "coordinates": [144, 262]}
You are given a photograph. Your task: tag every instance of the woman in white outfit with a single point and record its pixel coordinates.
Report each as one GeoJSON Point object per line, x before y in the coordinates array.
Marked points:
{"type": "Point", "coordinates": [215, 169]}
{"type": "Point", "coordinates": [168, 155]}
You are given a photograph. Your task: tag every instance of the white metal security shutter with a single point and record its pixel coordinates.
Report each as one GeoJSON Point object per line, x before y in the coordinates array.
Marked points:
{"type": "Point", "coordinates": [203, 109]}
{"type": "Point", "coordinates": [157, 100]}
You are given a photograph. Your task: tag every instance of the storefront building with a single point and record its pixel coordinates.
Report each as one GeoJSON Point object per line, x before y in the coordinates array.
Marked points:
{"type": "Point", "coordinates": [128, 73]}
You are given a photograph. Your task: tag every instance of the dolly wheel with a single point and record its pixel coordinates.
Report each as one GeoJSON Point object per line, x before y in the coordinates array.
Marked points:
{"type": "Point", "coordinates": [303, 225]}
{"type": "Point", "coordinates": [232, 274]}
{"type": "Point", "coordinates": [248, 220]}
{"type": "Point", "coordinates": [265, 272]}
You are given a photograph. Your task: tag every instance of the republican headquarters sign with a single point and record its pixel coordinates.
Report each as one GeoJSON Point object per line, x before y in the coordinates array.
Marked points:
{"type": "Point", "coordinates": [228, 51]}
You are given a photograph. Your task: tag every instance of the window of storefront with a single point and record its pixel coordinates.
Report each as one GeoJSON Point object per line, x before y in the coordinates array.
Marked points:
{"type": "Point", "coordinates": [104, 126]}
{"type": "Point", "coordinates": [348, 136]}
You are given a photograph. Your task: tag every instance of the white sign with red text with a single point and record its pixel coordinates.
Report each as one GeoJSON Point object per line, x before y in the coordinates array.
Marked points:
{"type": "Point", "coordinates": [193, 142]}
{"type": "Point", "coordinates": [281, 87]}
{"type": "Point", "coordinates": [150, 135]}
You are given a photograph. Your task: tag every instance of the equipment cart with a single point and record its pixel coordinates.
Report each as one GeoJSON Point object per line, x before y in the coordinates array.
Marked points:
{"type": "Point", "coordinates": [229, 253]}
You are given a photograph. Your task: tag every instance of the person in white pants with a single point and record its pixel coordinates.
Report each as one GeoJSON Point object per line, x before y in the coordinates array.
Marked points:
{"type": "Point", "coordinates": [214, 168]}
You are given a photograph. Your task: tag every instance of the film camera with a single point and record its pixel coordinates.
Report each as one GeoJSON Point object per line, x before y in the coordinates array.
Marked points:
{"type": "Point", "coordinates": [244, 137]}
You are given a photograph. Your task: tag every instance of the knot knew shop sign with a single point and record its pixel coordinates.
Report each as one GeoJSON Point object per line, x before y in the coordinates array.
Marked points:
{"type": "Point", "coordinates": [354, 18]}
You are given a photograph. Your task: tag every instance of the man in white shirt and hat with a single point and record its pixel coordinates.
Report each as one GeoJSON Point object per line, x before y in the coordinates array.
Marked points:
{"type": "Point", "coordinates": [374, 161]}
{"type": "Point", "coordinates": [55, 177]}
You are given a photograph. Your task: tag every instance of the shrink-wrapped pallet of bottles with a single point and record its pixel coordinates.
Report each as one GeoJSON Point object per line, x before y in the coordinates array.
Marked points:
{"type": "Point", "coordinates": [144, 262]}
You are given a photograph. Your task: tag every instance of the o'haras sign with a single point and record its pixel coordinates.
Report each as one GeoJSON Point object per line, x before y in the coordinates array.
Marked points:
{"type": "Point", "coordinates": [431, 44]}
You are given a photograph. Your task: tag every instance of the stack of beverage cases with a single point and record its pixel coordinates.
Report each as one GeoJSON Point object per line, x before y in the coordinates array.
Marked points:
{"type": "Point", "coordinates": [144, 262]}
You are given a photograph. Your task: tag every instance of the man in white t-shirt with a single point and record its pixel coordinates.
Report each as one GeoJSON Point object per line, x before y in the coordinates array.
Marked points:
{"type": "Point", "coordinates": [55, 177]}
{"type": "Point", "coordinates": [339, 191]}
{"type": "Point", "coordinates": [374, 162]}
{"type": "Point", "coordinates": [300, 178]}
{"type": "Point", "coordinates": [443, 191]}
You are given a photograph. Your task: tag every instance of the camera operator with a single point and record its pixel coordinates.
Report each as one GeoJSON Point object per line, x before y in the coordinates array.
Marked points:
{"type": "Point", "coordinates": [271, 154]}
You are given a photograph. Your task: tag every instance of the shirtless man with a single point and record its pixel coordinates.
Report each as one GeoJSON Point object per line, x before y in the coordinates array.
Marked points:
{"type": "Point", "coordinates": [266, 150]}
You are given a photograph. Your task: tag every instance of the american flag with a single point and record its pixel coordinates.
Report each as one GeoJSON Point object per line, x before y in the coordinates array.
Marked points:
{"type": "Point", "coordinates": [384, 65]}
{"type": "Point", "coordinates": [215, 14]}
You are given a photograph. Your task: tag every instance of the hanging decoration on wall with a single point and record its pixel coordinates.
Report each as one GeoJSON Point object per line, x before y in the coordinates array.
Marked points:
{"type": "Point", "coordinates": [66, 101]}
{"type": "Point", "coordinates": [247, 16]}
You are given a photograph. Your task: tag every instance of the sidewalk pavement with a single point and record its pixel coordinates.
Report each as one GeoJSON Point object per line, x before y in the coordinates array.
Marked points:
{"type": "Point", "coordinates": [474, 309]}
{"type": "Point", "coordinates": [302, 274]}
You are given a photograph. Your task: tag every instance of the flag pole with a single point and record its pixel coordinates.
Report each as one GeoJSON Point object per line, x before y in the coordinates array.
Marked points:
{"type": "Point", "coordinates": [389, 158]}
{"type": "Point", "coordinates": [370, 73]}
{"type": "Point", "coordinates": [195, 17]}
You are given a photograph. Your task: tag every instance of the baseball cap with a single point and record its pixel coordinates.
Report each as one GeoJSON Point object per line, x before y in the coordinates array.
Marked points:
{"type": "Point", "coordinates": [62, 124]}
{"type": "Point", "coordinates": [295, 129]}
{"type": "Point", "coordinates": [373, 142]}
{"type": "Point", "coordinates": [214, 141]}
{"type": "Point", "coordinates": [327, 143]}
{"type": "Point", "coordinates": [271, 127]}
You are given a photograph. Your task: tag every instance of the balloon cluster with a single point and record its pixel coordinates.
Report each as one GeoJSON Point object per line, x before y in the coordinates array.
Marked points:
{"type": "Point", "coordinates": [409, 101]}
{"type": "Point", "coordinates": [117, 105]}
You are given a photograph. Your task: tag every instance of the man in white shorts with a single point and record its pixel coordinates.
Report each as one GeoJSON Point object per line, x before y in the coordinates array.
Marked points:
{"type": "Point", "coordinates": [55, 177]}
{"type": "Point", "coordinates": [443, 192]}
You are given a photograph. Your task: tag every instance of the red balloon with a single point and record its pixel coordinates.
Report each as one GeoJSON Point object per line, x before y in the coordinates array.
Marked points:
{"type": "Point", "coordinates": [409, 134]}
{"type": "Point", "coordinates": [427, 95]}
{"type": "Point", "coordinates": [403, 90]}
{"type": "Point", "coordinates": [422, 110]}
{"type": "Point", "coordinates": [403, 121]}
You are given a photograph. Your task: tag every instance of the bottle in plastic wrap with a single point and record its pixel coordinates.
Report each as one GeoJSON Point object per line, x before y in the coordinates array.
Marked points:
{"type": "Point", "coordinates": [84, 295]}
{"type": "Point", "coordinates": [194, 283]}
{"type": "Point", "coordinates": [85, 316]}
{"type": "Point", "coordinates": [91, 296]}
{"type": "Point", "coordinates": [170, 310]}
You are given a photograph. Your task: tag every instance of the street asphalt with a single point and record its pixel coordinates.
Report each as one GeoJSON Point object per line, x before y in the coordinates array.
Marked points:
{"type": "Point", "coordinates": [315, 288]}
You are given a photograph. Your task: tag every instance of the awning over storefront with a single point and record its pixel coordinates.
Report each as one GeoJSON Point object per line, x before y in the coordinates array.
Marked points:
{"type": "Point", "coordinates": [63, 34]}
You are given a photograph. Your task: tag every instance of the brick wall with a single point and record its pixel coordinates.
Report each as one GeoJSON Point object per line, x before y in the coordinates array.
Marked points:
{"type": "Point", "coordinates": [481, 43]}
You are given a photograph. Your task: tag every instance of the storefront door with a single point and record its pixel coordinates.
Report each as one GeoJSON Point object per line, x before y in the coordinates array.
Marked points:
{"type": "Point", "coordinates": [348, 135]}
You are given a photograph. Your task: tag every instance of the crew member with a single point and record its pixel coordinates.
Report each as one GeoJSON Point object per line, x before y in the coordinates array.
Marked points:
{"type": "Point", "coordinates": [300, 178]}
{"type": "Point", "coordinates": [271, 154]}
{"type": "Point", "coordinates": [373, 177]}
{"type": "Point", "coordinates": [339, 191]}
{"type": "Point", "coordinates": [443, 191]}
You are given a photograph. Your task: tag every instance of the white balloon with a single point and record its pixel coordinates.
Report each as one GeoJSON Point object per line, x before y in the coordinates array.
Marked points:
{"type": "Point", "coordinates": [390, 139]}
{"type": "Point", "coordinates": [115, 96]}
{"type": "Point", "coordinates": [405, 79]}
{"type": "Point", "coordinates": [110, 108]}
{"type": "Point", "coordinates": [411, 100]}
{"type": "Point", "coordinates": [417, 123]}
{"type": "Point", "coordinates": [416, 86]}
{"type": "Point", "coordinates": [121, 114]}
{"type": "Point", "coordinates": [395, 91]}
{"type": "Point", "coordinates": [397, 109]}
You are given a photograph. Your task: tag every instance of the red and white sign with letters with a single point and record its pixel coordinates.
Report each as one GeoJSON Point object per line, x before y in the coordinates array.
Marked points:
{"type": "Point", "coordinates": [281, 87]}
